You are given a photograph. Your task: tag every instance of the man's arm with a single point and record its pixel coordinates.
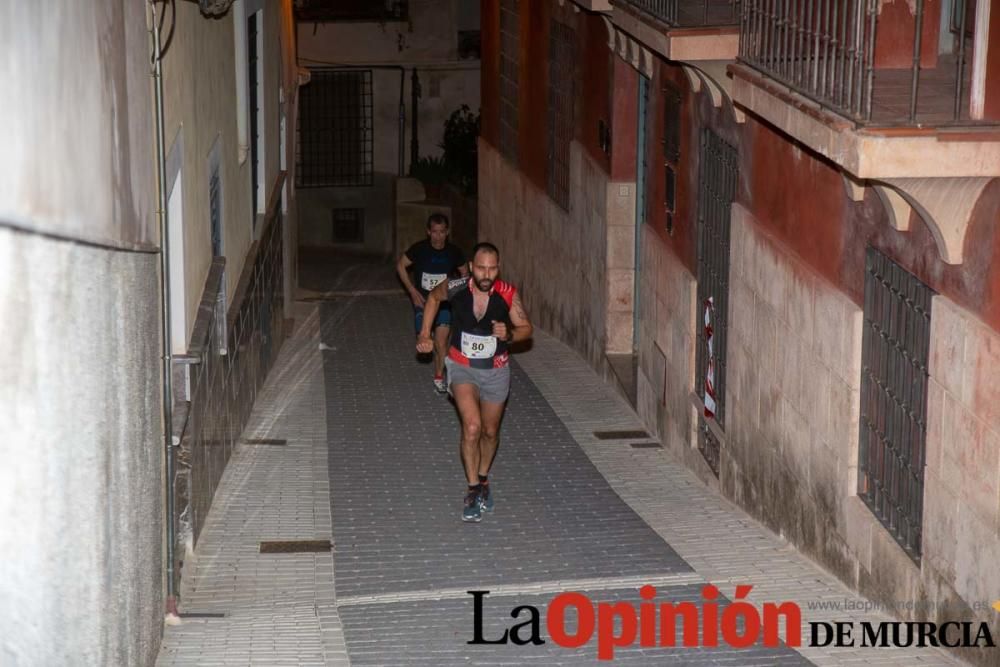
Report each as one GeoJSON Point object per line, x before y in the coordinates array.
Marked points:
{"type": "Point", "coordinates": [521, 329]}
{"type": "Point", "coordinates": [440, 293]}
{"type": "Point", "coordinates": [402, 265]}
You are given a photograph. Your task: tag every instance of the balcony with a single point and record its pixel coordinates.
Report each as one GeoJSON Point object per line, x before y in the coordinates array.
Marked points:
{"type": "Point", "coordinates": [873, 63]}
{"type": "Point", "coordinates": [691, 14]}
{"type": "Point", "coordinates": [904, 99]}
{"type": "Point", "coordinates": [682, 30]}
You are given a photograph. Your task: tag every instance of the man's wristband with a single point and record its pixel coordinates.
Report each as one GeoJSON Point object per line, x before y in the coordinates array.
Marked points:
{"type": "Point", "coordinates": [510, 336]}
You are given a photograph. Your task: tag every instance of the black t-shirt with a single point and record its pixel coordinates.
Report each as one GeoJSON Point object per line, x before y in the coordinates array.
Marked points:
{"type": "Point", "coordinates": [432, 266]}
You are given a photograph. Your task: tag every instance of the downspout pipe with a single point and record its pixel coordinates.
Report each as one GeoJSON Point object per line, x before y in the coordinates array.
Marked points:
{"type": "Point", "coordinates": [165, 323]}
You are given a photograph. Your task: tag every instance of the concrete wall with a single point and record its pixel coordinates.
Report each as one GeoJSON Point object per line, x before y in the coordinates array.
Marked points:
{"type": "Point", "coordinates": [81, 480]}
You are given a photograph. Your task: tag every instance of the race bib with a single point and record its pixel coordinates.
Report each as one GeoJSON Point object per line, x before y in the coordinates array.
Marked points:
{"type": "Point", "coordinates": [478, 347]}
{"type": "Point", "coordinates": [429, 281]}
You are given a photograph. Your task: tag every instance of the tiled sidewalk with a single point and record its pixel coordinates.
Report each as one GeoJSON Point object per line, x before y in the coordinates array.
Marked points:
{"type": "Point", "coordinates": [402, 557]}
{"type": "Point", "coordinates": [279, 609]}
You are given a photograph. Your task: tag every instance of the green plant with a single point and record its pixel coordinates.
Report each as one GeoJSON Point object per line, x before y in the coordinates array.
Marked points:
{"type": "Point", "coordinates": [430, 170]}
{"type": "Point", "coordinates": [459, 146]}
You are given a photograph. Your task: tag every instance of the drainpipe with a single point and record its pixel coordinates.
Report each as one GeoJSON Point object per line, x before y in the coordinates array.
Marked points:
{"type": "Point", "coordinates": [415, 139]}
{"type": "Point", "coordinates": [168, 390]}
{"type": "Point", "coordinates": [402, 121]}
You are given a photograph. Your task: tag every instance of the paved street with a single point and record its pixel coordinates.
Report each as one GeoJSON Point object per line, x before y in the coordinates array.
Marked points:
{"type": "Point", "coordinates": [362, 452]}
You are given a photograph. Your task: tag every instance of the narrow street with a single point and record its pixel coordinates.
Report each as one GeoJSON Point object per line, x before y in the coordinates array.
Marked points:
{"type": "Point", "coordinates": [349, 443]}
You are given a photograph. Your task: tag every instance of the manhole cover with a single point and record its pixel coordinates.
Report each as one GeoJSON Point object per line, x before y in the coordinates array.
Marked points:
{"type": "Point", "coordinates": [294, 546]}
{"type": "Point", "coordinates": [620, 435]}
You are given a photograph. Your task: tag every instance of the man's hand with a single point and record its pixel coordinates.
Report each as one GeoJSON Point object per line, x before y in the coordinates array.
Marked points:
{"type": "Point", "coordinates": [500, 330]}
{"type": "Point", "coordinates": [424, 344]}
{"type": "Point", "coordinates": [418, 299]}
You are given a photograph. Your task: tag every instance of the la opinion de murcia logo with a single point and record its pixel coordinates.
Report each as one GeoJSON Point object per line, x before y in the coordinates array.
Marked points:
{"type": "Point", "coordinates": [737, 624]}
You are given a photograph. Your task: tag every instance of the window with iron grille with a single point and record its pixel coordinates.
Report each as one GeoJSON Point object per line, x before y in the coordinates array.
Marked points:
{"type": "Point", "coordinates": [716, 193]}
{"type": "Point", "coordinates": [895, 347]}
{"type": "Point", "coordinates": [671, 150]}
{"type": "Point", "coordinates": [335, 133]}
{"type": "Point", "coordinates": [348, 225]}
{"type": "Point", "coordinates": [351, 10]}
{"type": "Point", "coordinates": [254, 108]}
{"type": "Point", "coordinates": [215, 210]}
{"type": "Point", "coordinates": [509, 58]}
{"type": "Point", "coordinates": [562, 66]}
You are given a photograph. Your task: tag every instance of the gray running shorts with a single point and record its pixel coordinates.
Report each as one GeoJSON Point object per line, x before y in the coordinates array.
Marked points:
{"type": "Point", "coordinates": [493, 383]}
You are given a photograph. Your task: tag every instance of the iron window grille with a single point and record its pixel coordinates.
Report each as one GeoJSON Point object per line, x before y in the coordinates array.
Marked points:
{"type": "Point", "coordinates": [335, 133]}
{"type": "Point", "coordinates": [348, 225]}
{"type": "Point", "coordinates": [215, 210]}
{"type": "Point", "coordinates": [643, 176]}
{"type": "Point", "coordinates": [671, 150]}
{"type": "Point", "coordinates": [254, 107]}
{"type": "Point", "coordinates": [509, 61]}
{"type": "Point", "coordinates": [892, 445]}
{"type": "Point", "coordinates": [351, 10]}
{"type": "Point", "coordinates": [562, 66]}
{"type": "Point", "coordinates": [716, 193]}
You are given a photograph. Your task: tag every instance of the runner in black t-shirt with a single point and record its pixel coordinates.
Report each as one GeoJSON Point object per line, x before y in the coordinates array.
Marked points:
{"type": "Point", "coordinates": [432, 261]}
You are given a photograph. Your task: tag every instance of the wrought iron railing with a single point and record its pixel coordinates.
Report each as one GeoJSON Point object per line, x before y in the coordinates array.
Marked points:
{"type": "Point", "coordinates": [351, 10]}
{"type": "Point", "coordinates": [826, 50]}
{"type": "Point", "coordinates": [691, 13]}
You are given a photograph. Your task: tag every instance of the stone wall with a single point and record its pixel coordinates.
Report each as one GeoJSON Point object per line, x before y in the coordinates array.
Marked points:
{"type": "Point", "coordinates": [668, 293]}
{"type": "Point", "coordinates": [557, 258]}
{"type": "Point", "coordinates": [790, 455]}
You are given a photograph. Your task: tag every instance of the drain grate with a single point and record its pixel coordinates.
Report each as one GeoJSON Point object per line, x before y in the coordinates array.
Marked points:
{"type": "Point", "coordinates": [620, 435]}
{"type": "Point", "coordinates": [295, 546]}
{"type": "Point", "coordinates": [201, 614]}
{"type": "Point", "coordinates": [645, 445]}
{"type": "Point", "coordinates": [264, 441]}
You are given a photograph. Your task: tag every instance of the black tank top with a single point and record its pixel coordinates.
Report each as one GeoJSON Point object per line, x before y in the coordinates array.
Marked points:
{"type": "Point", "coordinates": [472, 341]}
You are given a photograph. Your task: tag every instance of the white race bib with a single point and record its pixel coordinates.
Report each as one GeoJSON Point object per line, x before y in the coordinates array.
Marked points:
{"type": "Point", "coordinates": [429, 281]}
{"type": "Point", "coordinates": [478, 347]}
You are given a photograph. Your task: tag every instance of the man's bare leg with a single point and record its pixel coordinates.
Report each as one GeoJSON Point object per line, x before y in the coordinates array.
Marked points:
{"type": "Point", "coordinates": [467, 399]}
{"type": "Point", "coordinates": [490, 414]}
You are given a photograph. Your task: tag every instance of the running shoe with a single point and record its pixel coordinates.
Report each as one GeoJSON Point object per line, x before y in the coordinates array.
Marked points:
{"type": "Point", "coordinates": [473, 510]}
{"type": "Point", "coordinates": [486, 498]}
{"type": "Point", "coordinates": [440, 386]}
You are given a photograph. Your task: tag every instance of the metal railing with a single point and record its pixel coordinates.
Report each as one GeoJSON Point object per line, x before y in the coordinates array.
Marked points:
{"type": "Point", "coordinates": [825, 49]}
{"type": "Point", "coordinates": [691, 13]}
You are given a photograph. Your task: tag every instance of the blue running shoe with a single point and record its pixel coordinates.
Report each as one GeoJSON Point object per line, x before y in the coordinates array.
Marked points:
{"type": "Point", "coordinates": [473, 509]}
{"type": "Point", "coordinates": [486, 498]}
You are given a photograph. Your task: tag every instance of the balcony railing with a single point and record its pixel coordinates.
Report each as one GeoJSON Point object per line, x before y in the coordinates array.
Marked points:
{"type": "Point", "coordinates": [691, 13]}
{"type": "Point", "coordinates": [830, 51]}
{"type": "Point", "coordinates": [351, 10]}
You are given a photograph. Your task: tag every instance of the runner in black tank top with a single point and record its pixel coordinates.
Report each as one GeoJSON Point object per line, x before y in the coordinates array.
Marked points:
{"type": "Point", "coordinates": [487, 316]}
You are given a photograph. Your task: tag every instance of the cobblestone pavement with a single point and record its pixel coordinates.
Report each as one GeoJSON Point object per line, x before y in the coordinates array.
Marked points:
{"type": "Point", "coordinates": [371, 462]}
